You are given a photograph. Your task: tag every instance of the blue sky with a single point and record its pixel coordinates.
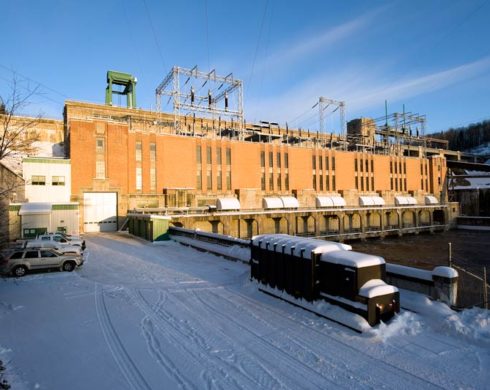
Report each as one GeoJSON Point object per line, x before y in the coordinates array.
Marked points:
{"type": "Point", "coordinates": [432, 56]}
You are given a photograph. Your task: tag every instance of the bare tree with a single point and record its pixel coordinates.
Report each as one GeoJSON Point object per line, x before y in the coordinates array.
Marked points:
{"type": "Point", "coordinates": [16, 132]}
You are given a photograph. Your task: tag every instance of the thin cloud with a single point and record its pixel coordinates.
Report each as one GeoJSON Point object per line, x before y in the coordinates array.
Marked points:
{"type": "Point", "coordinates": [317, 41]}
{"type": "Point", "coordinates": [359, 90]}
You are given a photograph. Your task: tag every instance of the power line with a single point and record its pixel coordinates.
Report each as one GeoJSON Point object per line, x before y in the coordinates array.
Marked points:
{"type": "Point", "coordinates": [258, 42]}
{"type": "Point", "coordinates": [207, 31]}
{"type": "Point", "coordinates": [155, 37]}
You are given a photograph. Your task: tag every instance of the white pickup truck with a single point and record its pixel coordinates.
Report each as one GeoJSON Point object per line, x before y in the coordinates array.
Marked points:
{"type": "Point", "coordinates": [59, 246]}
{"type": "Point", "coordinates": [62, 239]}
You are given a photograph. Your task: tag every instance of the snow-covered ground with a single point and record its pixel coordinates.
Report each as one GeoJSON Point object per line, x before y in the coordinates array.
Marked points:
{"type": "Point", "coordinates": [141, 316]}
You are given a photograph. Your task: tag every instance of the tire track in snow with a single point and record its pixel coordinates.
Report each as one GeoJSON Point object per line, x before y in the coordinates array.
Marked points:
{"type": "Point", "coordinates": [121, 356]}
{"type": "Point", "coordinates": [386, 366]}
{"type": "Point", "coordinates": [177, 334]}
{"type": "Point", "coordinates": [279, 353]}
{"type": "Point", "coordinates": [246, 366]}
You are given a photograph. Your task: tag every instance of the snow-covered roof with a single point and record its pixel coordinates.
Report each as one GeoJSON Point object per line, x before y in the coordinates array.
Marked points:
{"type": "Point", "coordinates": [376, 288]}
{"type": "Point", "coordinates": [352, 259]}
{"type": "Point", "coordinates": [271, 203]}
{"type": "Point", "coordinates": [411, 272]}
{"type": "Point", "coordinates": [405, 200]}
{"type": "Point", "coordinates": [371, 201]}
{"type": "Point", "coordinates": [289, 202]}
{"type": "Point", "coordinates": [228, 204]}
{"type": "Point", "coordinates": [298, 245]}
{"type": "Point", "coordinates": [445, 272]}
{"type": "Point", "coordinates": [429, 199]}
{"type": "Point", "coordinates": [470, 183]}
{"type": "Point", "coordinates": [35, 208]}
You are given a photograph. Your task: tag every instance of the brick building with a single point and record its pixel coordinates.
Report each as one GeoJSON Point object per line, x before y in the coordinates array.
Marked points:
{"type": "Point", "coordinates": [124, 159]}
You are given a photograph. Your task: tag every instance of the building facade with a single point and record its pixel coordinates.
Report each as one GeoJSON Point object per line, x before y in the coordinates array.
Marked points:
{"type": "Point", "coordinates": [124, 159]}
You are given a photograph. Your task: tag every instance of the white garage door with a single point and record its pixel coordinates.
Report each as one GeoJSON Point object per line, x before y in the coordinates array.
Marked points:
{"type": "Point", "coordinates": [100, 212]}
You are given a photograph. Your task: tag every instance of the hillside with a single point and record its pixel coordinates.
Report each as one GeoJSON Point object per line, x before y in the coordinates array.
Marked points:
{"type": "Point", "coordinates": [474, 137]}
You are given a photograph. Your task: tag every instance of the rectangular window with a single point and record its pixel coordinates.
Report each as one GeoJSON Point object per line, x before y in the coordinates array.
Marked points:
{"type": "Point", "coordinates": [314, 182]}
{"type": "Point", "coordinates": [228, 156]}
{"type": "Point", "coordinates": [262, 182]}
{"type": "Point", "coordinates": [139, 179]}
{"type": "Point", "coordinates": [372, 183]}
{"type": "Point", "coordinates": [199, 180]}
{"type": "Point", "coordinates": [271, 183]}
{"type": "Point", "coordinates": [38, 180]}
{"type": "Point", "coordinates": [326, 163]}
{"type": "Point", "coordinates": [405, 167]}
{"type": "Point", "coordinates": [219, 179]}
{"type": "Point", "coordinates": [198, 154]}
{"type": "Point", "coordinates": [271, 159]}
{"type": "Point", "coordinates": [405, 181]}
{"type": "Point", "coordinates": [99, 145]}
{"type": "Point", "coordinates": [320, 163]}
{"type": "Point", "coordinates": [367, 183]}
{"type": "Point", "coordinates": [138, 151]}
{"type": "Point", "coordinates": [286, 182]}
{"type": "Point", "coordinates": [321, 182]}
{"type": "Point", "coordinates": [209, 180]}
{"type": "Point", "coordinates": [396, 167]}
{"type": "Point", "coordinates": [372, 165]}
{"type": "Point", "coordinates": [228, 180]}
{"type": "Point", "coordinates": [422, 183]}
{"type": "Point", "coordinates": [361, 165]}
{"type": "Point", "coordinates": [391, 166]}
{"type": "Point", "coordinates": [421, 169]}
{"type": "Point", "coordinates": [218, 156]}
{"type": "Point", "coordinates": [100, 169]}
{"type": "Point", "coordinates": [327, 183]}
{"type": "Point", "coordinates": [367, 166]}
{"type": "Point", "coordinates": [286, 160]}
{"type": "Point", "coordinates": [333, 165]}
{"type": "Point", "coordinates": [278, 159]}
{"type": "Point", "coordinates": [313, 162]}
{"type": "Point", "coordinates": [153, 170]}
{"type": "Point", "coordinates": [362, 183]}
{"type": "Point", "coordinates": [208, 155]}
{"type": "Point", "coordinates": [396, 184]}
{"type": "Point", "coordinates": [355, 165]}
{"type": "Point", "coordinates": [58, 181]}
{"type": "Point", "coordinates": [391, 183]}
{"type": "Point", "coordinates": [262, 159]}
{"type": "Point", "coordinates": [279, 185]}
{"type": "Point", "coordinates": [333, 183]}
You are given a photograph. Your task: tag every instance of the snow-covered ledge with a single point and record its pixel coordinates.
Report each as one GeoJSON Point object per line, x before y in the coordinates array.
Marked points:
{"type": "Point", "coordinates": [441, 284]}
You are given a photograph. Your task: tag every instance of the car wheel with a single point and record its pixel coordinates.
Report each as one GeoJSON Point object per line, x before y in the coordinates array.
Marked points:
{"type": "Point", "coordinates": [19, 271]}
{"type": "Point", "coordinates": [68, 266]}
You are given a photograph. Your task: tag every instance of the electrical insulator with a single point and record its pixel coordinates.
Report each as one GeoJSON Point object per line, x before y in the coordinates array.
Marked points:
{"type": "Point", "coordinates": [226, 101]}
{"type": "Point", "coordinates": [209, 99]}
{"type": "Point", "coordinates": [192, 95]}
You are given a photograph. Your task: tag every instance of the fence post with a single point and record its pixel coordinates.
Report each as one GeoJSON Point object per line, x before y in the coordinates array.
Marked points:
{"type": "Point", "coordinates": [485, 291]}
{"type": "Point", "coordinates": [450, 259]}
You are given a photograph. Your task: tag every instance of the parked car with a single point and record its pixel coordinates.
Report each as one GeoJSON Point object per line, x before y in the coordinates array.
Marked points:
{"type": "Point", "coordinates": [62, 247]}
{"type": "Point", "coordinates": [19, 261]}
{"type": "Point", "coordinates": [58, 237]}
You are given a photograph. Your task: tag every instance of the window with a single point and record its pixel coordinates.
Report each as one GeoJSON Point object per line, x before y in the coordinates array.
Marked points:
{"type": "Point", "coordinates": [38, 180]}
{"type": "Point", "coordinates": [48, 254]}
{"type": "Point", "coordinates": [218, 155]}
{"type": "Point", "coordinates": [313, 162]}
{"type": "Point", "coordinates": [208, 155]}
{"type": "Point", "coordinates": [405, 182]}
{"type": "Point", "coordinates": [333, 183]}
{"type": "Point", "coordinates": [320, 163]}
{"type": "Point", "coordinates": [271, 159]}
{"type": "Point", "coordinates": [372, 166]}
{"type": "Point", "coordinates": [279, 186]}
{"type": "Point", "coordinates": [327, 183]}
{"type": "Point", "coordinates": [262, 159]}
{"type": "Point", "coordinates": [321, 182]}
{"type": "Point", "coordinates": [262, 182]}
{"type": "Point", "coordinates": [362, 183]}
{"type": "Point", "coordinates": [333, 165]}
{"type": "Point", "coordinates": [219, 178]}
{"type": "Point", "coordinates": [355, 166]}
{"type": "Point", "coordinates": [99, 145]}
{"type": "Point", "coordinates": [396, 167]}
{"type": "Point", "coordinates": [228, 156]}
{"type": "Point", "coordinates": [326, 164]}
{"type": "Point", "coordinates": [271, 183]}
{"type": "Point", "coordinates": [153, 171]}
{"type": "Point", "coordinates": [198, 154]}
{"type": "Point", "coordinates": [367, 166]}
{"type": "Point", "coordinates": [372, 183]}
{"type": "Point", "coordinates": [286, 160]}
{"type": "Point", "coordinates": [314, 182]}
{"type": "Point", "coordinates": [209, 180]}
{"type": "Point", "coordinates": [100, 169]}
{"type": "Point", "coordinates": [139, 179]}
{"type": "Point", "coordinates": [391, 166]}
{"type": "Point", "coordinates": [17, 255]}
{"type": "Point", "coordinates": [278, 159]}
{"type": "Point", "coordinates": [360, 165]}
{"type": "Point", "coordinates": [58, 180]}
{"type": "Point", "coordinates": [286, 182]}
{"type": "Point", "coordinates": [228, 179]}
{"type": "Point", "coordinates": [405, 167]}
{"type": "Point", "coordinates": [31, 255]}
{"type": "Point", "coordinates": [199, 180]}
{"type": "Point", "coordinates": [138, 150]}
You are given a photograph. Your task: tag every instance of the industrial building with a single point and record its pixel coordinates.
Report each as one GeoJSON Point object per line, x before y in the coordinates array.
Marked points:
{"type": "Point", "coordinates": [202, 158]}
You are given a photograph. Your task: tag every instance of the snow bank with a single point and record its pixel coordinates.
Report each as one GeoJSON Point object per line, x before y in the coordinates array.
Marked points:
{"type": "Point", "coordinates": [404, 324]}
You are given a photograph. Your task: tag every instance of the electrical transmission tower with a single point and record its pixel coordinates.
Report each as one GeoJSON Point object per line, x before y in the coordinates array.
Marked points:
{"type": "Point", "coordinates": [323, 104]}
{"type": "Point", "coordinates": [209, 95]}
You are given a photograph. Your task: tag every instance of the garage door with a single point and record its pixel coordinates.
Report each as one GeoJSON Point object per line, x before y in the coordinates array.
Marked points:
{"type": "Point", "coordinates": [100, 212]}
